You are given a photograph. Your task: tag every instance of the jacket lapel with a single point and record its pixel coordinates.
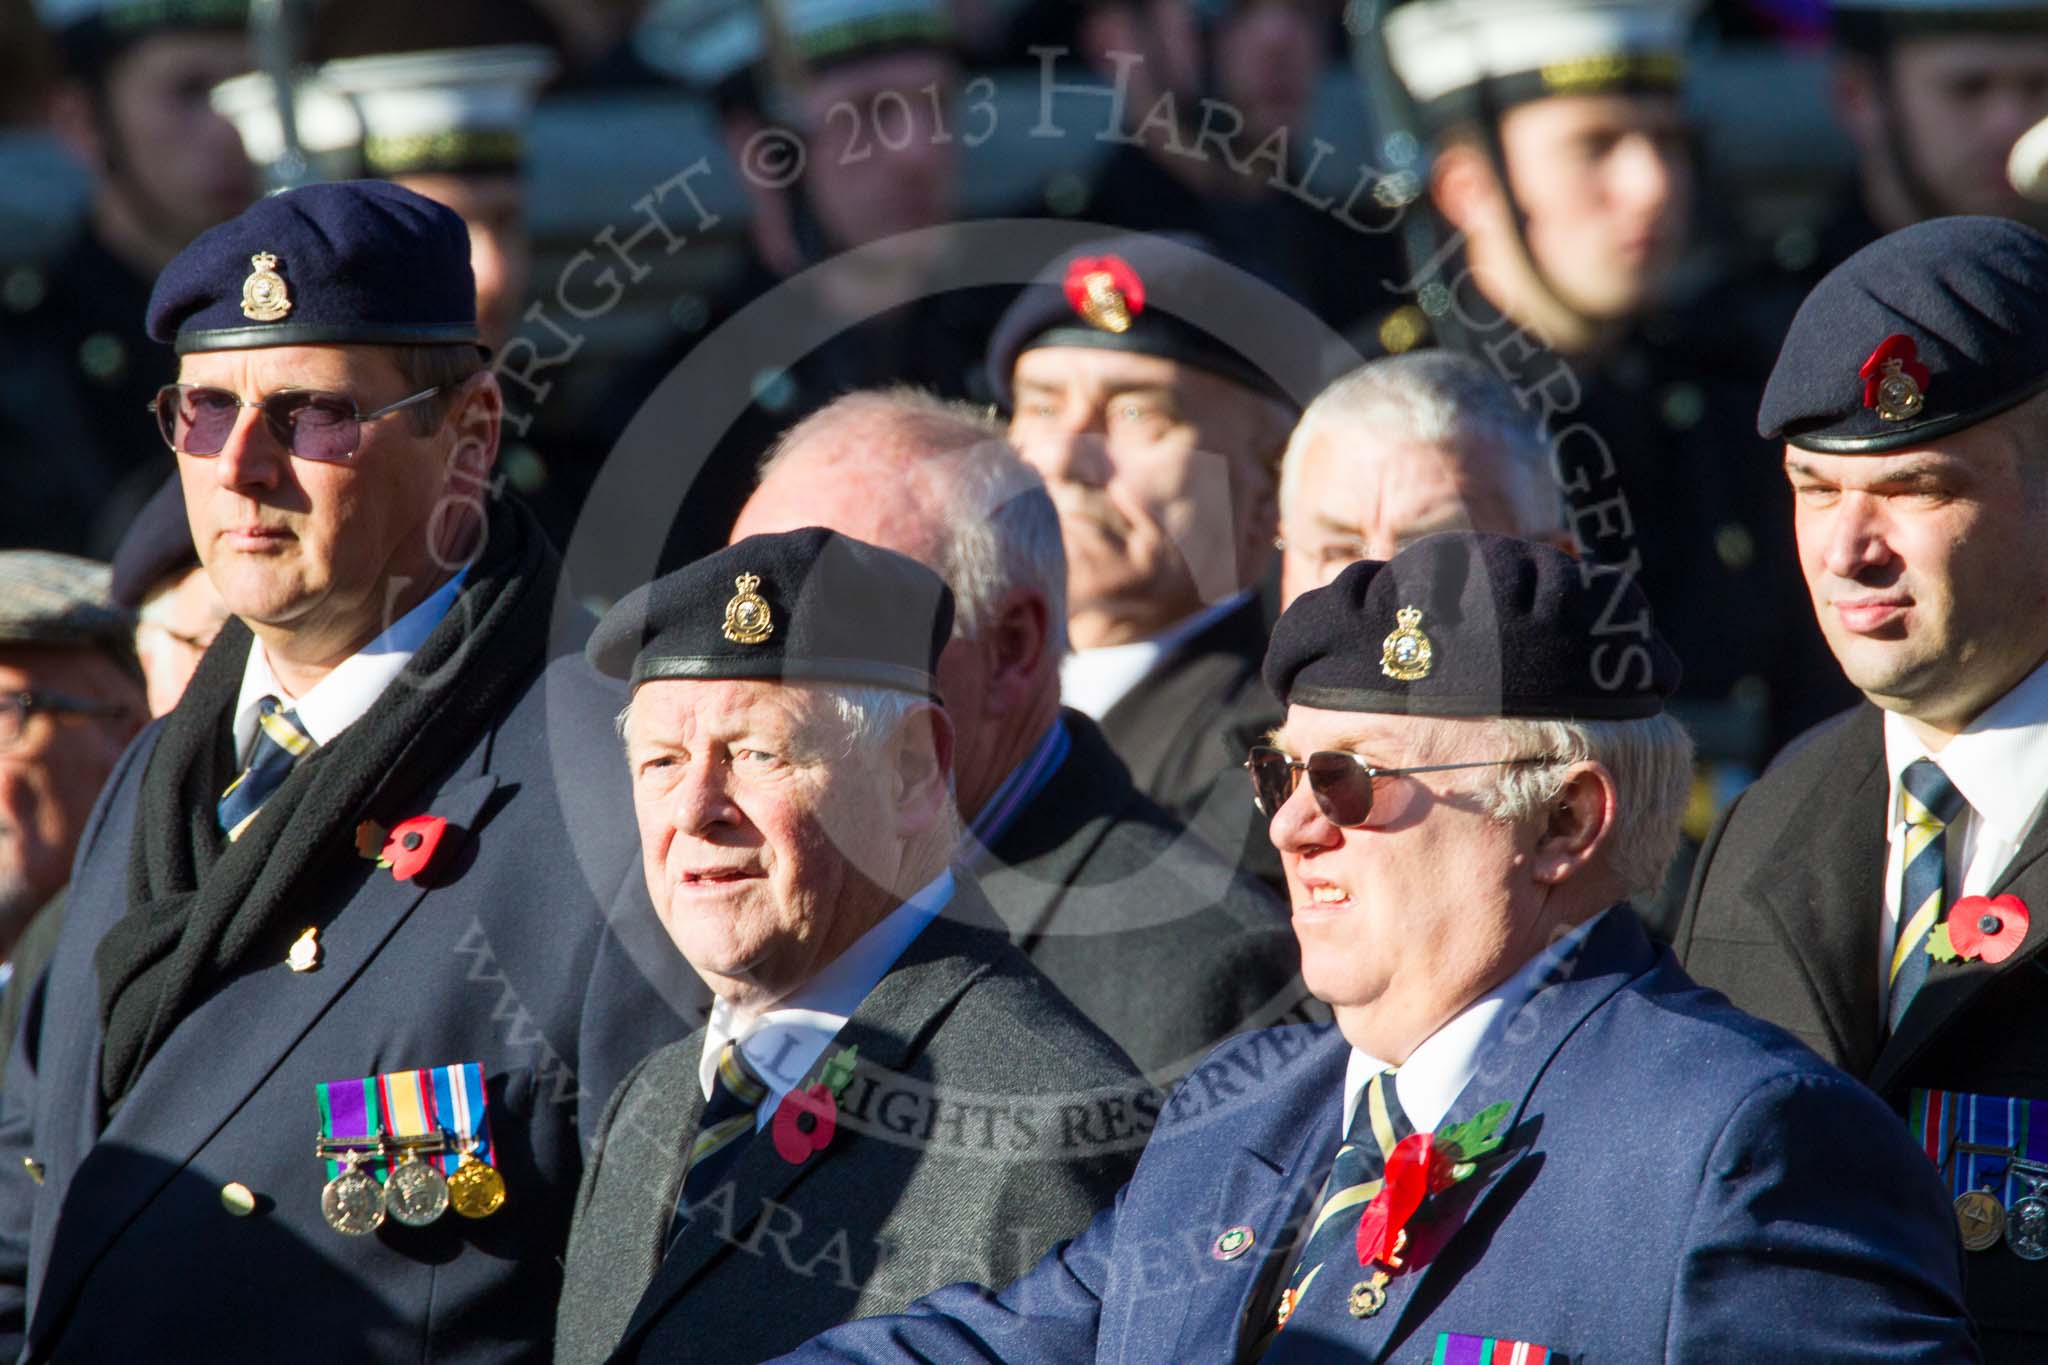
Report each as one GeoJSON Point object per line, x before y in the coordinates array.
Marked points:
{"type": "Point", "coordinates": [1823, 886]}
{"type": "Point", "coordinates": [211, 1053]}
{"type": "Point", "coordinates": [1151, 723]}
{"type": "Point", "coordinates": [890, 1029]}
{"type": "Point", "coordinates": [1028, 871]}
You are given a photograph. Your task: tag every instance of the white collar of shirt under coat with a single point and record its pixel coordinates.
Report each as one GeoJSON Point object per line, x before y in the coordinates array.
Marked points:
{"type": "Point", "coordinates": [1094, 680]}
{"type": "Point", "coordinates": [782, 1044]}
{"type": "Point", "coordinates": [341, 698]}
{"type": "Point", "coordinates": [1438, 1071]}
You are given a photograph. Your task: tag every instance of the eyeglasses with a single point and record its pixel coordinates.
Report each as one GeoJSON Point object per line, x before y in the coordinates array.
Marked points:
{"type": "Point", "coordinates": [1341, 782]}
{"type": "Point", "coordinates": [311, 423]}
{"type": "Point", "coordinates": [17, 707]}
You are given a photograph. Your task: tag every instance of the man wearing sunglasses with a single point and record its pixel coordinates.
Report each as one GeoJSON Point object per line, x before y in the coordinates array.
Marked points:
{"type": "Point", "coordinates": [356, 885]}
{"type": "Point", "coordinates": [1529, 1135]}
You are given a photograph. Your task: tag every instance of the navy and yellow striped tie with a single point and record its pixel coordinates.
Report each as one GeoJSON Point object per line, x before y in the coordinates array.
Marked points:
{"type": "Point", "coordinates": [279, 744]}
{"type": "Point", "coordinates": [729, 1117]}
{"type": "Point", "coordinates": [1354, 1179]}
{"type": "Point", "coordinates": [1931, 804]}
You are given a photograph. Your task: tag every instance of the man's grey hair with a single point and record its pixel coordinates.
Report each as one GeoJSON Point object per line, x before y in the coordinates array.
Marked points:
{"type": "Point", "coordinates": [869, 714]}
{"type": "Point", "coordinates": [999, 528]}
{"type": "Point", "coordinates": [1651, 763]}
{"type": "Point", "coordinates": [1441, 399]}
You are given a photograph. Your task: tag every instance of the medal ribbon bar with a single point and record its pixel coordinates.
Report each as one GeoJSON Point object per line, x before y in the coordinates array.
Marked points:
{"type": "Point", "coordinates": [1974, 1140]}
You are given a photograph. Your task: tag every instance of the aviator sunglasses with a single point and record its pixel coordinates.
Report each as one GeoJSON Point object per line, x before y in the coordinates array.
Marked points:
{"type": "Point", "coordinates": [311, 423]}
{"type": "Point", "coordinates": [1341, 782]}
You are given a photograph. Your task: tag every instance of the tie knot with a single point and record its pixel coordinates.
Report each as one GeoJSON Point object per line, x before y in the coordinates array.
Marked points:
{"type": "Point", "coordinates": [1379, 1122]}
{"type": "Point", "coordinates": [1931, 797]}
{"type": "Point", "coordinates": [739, 1078]}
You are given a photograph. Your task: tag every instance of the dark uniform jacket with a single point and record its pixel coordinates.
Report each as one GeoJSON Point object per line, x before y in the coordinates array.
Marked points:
{"type": "Point", "coordinates": [1150, 932]}
{"type": "Point", "coordinates": [1677, 1182]}
{"type": "Point", "coordinates": [985, 1121]}
{"type": "Point", "coordinates": [1784, 916]}
{"type": "Point", "coordinates": [115, 1241]}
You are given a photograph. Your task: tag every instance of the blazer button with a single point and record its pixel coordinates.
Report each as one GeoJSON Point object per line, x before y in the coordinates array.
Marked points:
{"type": "Point", "coordinates": [238, 1199]}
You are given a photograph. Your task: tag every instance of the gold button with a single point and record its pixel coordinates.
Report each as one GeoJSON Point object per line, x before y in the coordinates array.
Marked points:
{"type": "Point", "coordinates": [238, 1199]}
{"type": "Point", "coordinates": [34, 1169]}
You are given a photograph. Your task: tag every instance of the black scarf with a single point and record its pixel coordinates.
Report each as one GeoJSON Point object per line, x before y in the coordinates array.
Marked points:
{"type": "Point", "coordinates": [197, 904]}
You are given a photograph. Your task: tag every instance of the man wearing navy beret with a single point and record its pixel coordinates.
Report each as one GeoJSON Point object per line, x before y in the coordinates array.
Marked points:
{"type": "Point", "coordinates": [1529, 1136]}
{"type": "Point", "coordinates": [887, 1092]}
{"type": "Point", "coordinates": [338, 992]}
{"type": "Point", "coordinates": [1871, 892]}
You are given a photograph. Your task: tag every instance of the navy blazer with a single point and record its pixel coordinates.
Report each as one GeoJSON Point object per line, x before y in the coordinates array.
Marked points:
{"type": "Point", "coordinates": [1680, 1182]}
{"type": "Point", "coordinates": [529, 946]}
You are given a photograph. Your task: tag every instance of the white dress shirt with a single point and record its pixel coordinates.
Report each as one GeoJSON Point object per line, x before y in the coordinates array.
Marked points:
{"type": "Point", "coordinates": [341, 698]}
{"type": "Point", "coordinates": [1094, 680]}
{"type": "Point", "coordinates": [781, 1044]}
{"type": "Point", "coordinates": [1999, 764]}
{"type": "Point", "coordinates": [1438, 1071]}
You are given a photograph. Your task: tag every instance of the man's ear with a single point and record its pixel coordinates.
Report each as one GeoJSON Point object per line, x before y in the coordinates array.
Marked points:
{"type": "Point", "coordinates": [1464, 187]}
{"type": "Point", "coordinates": [921, 769]}
{"type": "Point", "coordinates": [1856, 90]}
{"type": "Point", "coordinates": [478, 417]}
{"type": "Point", "coordinates": [1576, 826]}
{"type": "Point", "coordinates": [1015, 645]}
{"type": "Point", "coordinates": [74, 122]}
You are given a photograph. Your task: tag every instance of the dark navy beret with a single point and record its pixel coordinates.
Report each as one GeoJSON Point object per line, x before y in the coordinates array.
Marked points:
{"type": "Point", "coordinates": [1925, 331]}
{"type": "Point", "coordinates": [797, 606]}
{"type": "Point", "coordinates": [158, 543]}
{"type": "Point", "coordinates": [1467, 624]}
{"type": "Point", "coordinates": [1123, 294]}
{"type": "Point", "coordinates": [356, 261]}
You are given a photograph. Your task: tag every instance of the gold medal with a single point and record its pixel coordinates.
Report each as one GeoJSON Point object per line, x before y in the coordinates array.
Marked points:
{"type": "Point", "coordinates": [416, 1193]}
{"type": "Point", "coordinates": [475, 1188]}
{"type": "Point", "coordinates": [1369, 1296]}
{"type": "Point", "coordinates": [1980, 1218]}
{"type": "Point", "coordinates": [353, 1202]}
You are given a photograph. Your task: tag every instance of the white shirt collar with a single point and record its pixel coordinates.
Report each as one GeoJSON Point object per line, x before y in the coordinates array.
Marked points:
{"type": "Point", "coordinates": [782, 1044]}
{"type": "Point", "coordinates": [1438, 1071]}
{"type": "Point", "coordinates": [1094, 680]}
{"type": "Point", "coordinates": [339, 700]}
{"type": "Point", "coordinates": [1999, 762]}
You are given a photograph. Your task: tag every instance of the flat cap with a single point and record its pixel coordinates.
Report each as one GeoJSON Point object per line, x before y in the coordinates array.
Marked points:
{"type": "Point", "coordinates": [1926, 331]}
{"type": "Point", "coordinates": [359, 261]}
{"type": "Point", "coordinates": [56, 599]}
{"type": "Point", "coordinates": [158, 544]}
{"type": "Point", "coordinates": [796, 606]}
{"type": "Point", "coordinates": [1123, 294]}
{"type": "Point", "coordinates": [1467, 624]}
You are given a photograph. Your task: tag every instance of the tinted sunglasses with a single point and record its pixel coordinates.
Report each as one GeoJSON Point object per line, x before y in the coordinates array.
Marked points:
{"type": "Point", "coordinates": [1341, 782]}
{"type": "Point", "coordinates": [311, 423]}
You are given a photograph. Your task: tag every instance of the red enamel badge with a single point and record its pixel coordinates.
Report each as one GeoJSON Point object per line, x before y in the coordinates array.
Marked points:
{"type": "Point", "coordinates": [1894, 380]}
{"type": "Point", "coordinates": [1990, 929]}
{"type": "Point", "coordinates": [1105, 291]}
{"type": "Point", "coordinates": [795, 1142]}
{"type": "Point", "coordinates": [412, 843]}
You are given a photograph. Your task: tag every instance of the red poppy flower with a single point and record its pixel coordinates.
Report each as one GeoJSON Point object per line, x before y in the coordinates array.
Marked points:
{"type": "Point", "coordinates": [1407, 1181]}
{"type": "Point", "coordinates": [1987, 929]}
{"type": "Point", "coordinates": [412, 843]}
{"type": "Point", "coordinates": [795, 1141]}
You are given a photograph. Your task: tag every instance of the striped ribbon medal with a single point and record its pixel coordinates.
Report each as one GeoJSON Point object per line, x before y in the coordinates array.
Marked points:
{"type": "Point", "coordinates": [416, 1189]}
{"type": "Point", "coordinates": [474, 1187]}
{"type": "Point", "coordinates": [407, 1144]}
{"type": "Point", "coordinates": [1457, 1348]}
{"type": "Point", "coordinates": [1992, 1150]}
{"type": "Point", "coordinates": [351, 1134]}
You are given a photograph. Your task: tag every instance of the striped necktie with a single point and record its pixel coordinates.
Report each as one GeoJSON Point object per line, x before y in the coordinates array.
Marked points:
{"type": "Point", "coordinates": [1354, 1179]}
{"type": "Point", "coordinates": [280, 743]}
{"type": "Point", "coordinates": [729, 1115]}
{"type": "Point", "coordinates": [1931, 804]}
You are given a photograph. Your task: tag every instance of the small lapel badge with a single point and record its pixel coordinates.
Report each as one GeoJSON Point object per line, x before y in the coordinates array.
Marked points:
{"type": "Point", "coordinates": [1232, 1243]}
{"type": "Point", "coordinates": [747, 619]}
{"type": "Point", "coordinates": [1894, 380]}
{"type": "Point", "coordinates": [305, 953]}
{"type": "Point", "coordinates": [1406, 654]}
{"type": "Point", "coordinates": [34, 1169]}
{"type": "Point", "coordinates": [264, 297]}
{"type": "Point", "coordinates": [1105, 291]}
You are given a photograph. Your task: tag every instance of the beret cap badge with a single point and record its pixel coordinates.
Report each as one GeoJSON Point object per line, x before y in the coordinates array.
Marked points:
{"type": "Point", "coordinates": [747, 618]}
{"type": "Point", "coordinates": [1406, 654]}
{"type": "Point", "coordinates": [264, 298]}
{"type": "Point", "coordinates": [1106, 292]}
{"type": "Point", "coordinates": [1894, 380]}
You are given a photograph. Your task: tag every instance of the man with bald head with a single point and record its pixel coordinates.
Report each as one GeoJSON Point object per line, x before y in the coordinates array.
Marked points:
{"type": "Point", "coordinates": [1099, 886]}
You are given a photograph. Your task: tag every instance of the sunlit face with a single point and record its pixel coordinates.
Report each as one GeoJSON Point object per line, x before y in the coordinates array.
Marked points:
{"type": "Point", "coordinates": [177, 624]}
{"type": "Point", "coordinates": [1605, 184]}
{"type": "Point", "coordinates": [181, 162]}
{"type": "Point", "coordinates": [500, 253]}
{"type": "Point", "coordinates": [1389, 940]}
{"type": "Point", "coordinates": [882, 150]}
{"type": "Point", "coordinates": [1162, 474]}
{"type": "Point", "coordinates": [1358, 496]}
{"type": "Point", "coordinates": [321, 550]}
{"type": "Point", "coordinates": [51, 775]}
{"type": "Point", "coordinates": [1925, 568]}
{"type": "Point", "coordinates": [1959, 102]}
{"type": "Point", "coordinates": [762, 839]}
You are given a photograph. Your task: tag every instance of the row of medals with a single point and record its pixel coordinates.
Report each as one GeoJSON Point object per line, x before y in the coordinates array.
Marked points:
{"type": "Point", "coordinates": [415, 1193]}
{"type": "Point", "coordinates": [1982, 1220]}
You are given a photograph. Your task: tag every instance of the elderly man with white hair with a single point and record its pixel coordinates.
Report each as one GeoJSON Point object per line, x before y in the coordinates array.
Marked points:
{"type": "Point", "coordinates": [1529, 1136]}
{"type": "Point", "coordinates": [1158, 940]}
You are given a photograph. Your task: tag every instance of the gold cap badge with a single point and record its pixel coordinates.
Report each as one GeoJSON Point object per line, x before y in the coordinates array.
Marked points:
{"type": "Point", "coordinates": [264, 298]}
{"type": "Point", "coordinates": [1406, 655]}
{"type": "Point", "coordinates": [747, 620]}
{"type": "Point", "coordinates": [1103, 303]}
{"type": "Point", "coordinates": [1105, 291]}
{"type": "Point", "coordinates": [1894, 380]}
